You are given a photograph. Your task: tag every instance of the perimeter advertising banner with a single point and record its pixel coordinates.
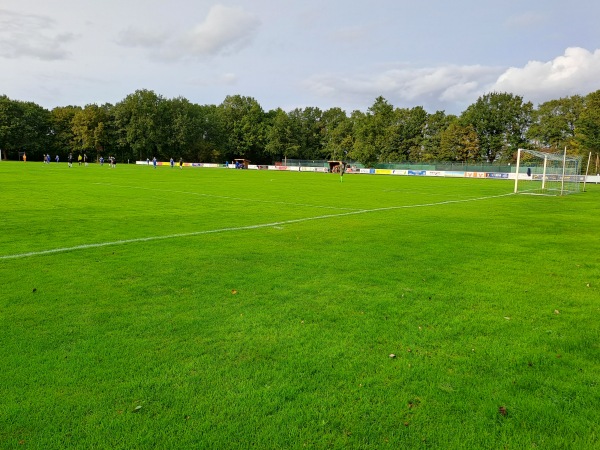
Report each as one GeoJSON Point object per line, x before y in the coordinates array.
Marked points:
{"type": "Point", "coordinates": [474, 174]}
{"type": "Point", "coordinates": [312, 169]}
{"type": "Point", "coordinates": [420, 173]}
{"type": "Point", "coordinates": [212, 165]}
{"type": "Point", "coordinates": [167, 163]}
{"type": "Point", "coordinates": [452, 174]}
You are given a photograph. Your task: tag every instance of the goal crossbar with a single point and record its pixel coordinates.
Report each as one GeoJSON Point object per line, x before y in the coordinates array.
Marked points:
{"type": "Point", "coordinates": [547, 173]}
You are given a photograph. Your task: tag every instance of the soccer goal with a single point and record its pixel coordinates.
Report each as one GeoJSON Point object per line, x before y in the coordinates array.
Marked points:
{"type": "Point", "coordinates": [542, 173]}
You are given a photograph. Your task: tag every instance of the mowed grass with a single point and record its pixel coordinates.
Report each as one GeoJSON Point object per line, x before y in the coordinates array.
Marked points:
{"type": "Point", "coordinates": [213, 308]}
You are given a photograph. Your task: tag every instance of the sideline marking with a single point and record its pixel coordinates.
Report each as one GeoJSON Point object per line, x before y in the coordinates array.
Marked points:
{"type": "Point", "coordinates": [247, 227]}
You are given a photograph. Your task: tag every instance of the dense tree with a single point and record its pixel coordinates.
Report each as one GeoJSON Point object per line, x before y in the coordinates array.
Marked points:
{"type": "Point", "coordinates": [244, 126]}
{"type": "Point", "coordinates": [144, 125]}
{"type": "Point", "coordinates": [373, 141]}
{"type": "Point", "coordinates": [501, 121]}
{"type": "Point", "coordinates": [337, 131]}
{"type": "Point", "coordinates": [387, 135]}
{"type": "Point", "coordinates": [304, 133]}
{"type": "Point", "coordinates": [92, 128]}
{"type": "Point", "coordinates": [141, 123]}
{"type": "Point", "coordinates": [282, 139]}
{"type": "Point", "coordinates": [435, 125]}
{"type": "Point", "coordinates": [554, 122]}
{"type": "Point", "coordinates": [10, 112]}
{"type": "Point", "coordinates": [311, 132]}
{"type": "Point", "coordinates": [194, 131]}
{"type": "Point", "coordinates": [459, 143]}
{"type": "Point", "coordinates": [61, 130]}
{"type": "Point", "coordinates": [407, 135]}
{"type": "Point", "coordinates": [588, 124]}
{"type": "Point", "coordinates": [25, 127]}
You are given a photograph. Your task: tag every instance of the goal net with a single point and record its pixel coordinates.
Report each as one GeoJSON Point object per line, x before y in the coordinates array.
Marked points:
{"type": "Point", "coordinates": [544, 173]}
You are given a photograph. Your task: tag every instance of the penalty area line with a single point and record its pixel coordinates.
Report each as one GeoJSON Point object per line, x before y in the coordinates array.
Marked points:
{"type": "Point", "coordinates": [231, 229]}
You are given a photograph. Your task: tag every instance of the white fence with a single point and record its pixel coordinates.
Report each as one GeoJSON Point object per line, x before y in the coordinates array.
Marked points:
{"type": "Point", "coordinates": [350, 169]}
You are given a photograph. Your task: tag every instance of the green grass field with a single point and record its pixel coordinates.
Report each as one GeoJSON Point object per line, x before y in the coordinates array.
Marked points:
{"type": "Point", "coordinates": [225, 309]}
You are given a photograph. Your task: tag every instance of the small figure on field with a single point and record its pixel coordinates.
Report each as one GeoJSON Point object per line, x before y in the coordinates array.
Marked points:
{"type": "Point", "coordinates": [85, 159]}
{"type": "Point", "coordinates": [181, 163]}
{"type": "Point", "coordinates": [342, 170]}
{"type": "Point", "coordinates": [57, 158]}
{"type": "Point", "coordinates": [101, 160]}
{"type": "Point", "coordinates": [172, 162]}
{"type": "Point", "coordinates": [79, 159]}
{"type": "Point", "coordinates": [70, 160]}
{"type": "Point", "coordinates": [154, 162]}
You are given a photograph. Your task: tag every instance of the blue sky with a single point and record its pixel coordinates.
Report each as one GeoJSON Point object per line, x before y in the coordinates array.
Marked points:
{"type": "Point", "coordinates": [437, 54]}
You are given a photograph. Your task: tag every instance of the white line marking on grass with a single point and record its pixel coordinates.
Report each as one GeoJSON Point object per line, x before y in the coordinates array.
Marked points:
{"type": "Point", "coordinates": [229, 198]}
{"type": "Point", "coordinates": [276, 225]}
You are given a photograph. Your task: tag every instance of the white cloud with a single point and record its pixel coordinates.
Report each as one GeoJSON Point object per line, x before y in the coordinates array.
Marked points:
{"type": "Point", "coordinates": [31, 36]}
{"type": "Point", "coordinates": [575, 72]}
{"type": "Point", "coordinates": [460, 91]}
{"type": "Point", "coordinates": [454, 87]}
{"type": "Point", "coordinates": [224, 30]}
{"type": "Point", "coordinates": [409, 86]}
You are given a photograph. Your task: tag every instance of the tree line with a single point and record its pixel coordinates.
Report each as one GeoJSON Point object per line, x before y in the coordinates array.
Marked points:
{"type": "Point", "coordinates": [146, 125]}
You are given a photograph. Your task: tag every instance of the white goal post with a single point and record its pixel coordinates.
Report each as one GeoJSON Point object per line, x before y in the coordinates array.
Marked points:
{"type": "Point", "coordinates": [543, 173]}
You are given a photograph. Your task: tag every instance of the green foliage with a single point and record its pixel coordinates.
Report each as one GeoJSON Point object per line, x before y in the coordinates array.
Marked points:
{"type": "Point", "coordinates": [459, 143]}
{"type": "Point", "coordinates": [24, 126]}
{"type": "Point", "coordinates": [195, 132]}
{"type": "Point", "coordinates": [434, 127]}
{"type": "Point", "coordinates": [554, 122]}
{"type": "Point", "coordinates": [501, 121]}
{"type": "Point", "coordinates": [282, 139]}
{"type": "Point", "coordinates": [91, 128]}
{"type": "Point", "coordinates": [338, 137]}
{"type": "Point", "coordinates": [588, 123]}
{"type": "Point", "coordinates": [373, 138]}
{"type": "Point", "coordinates": [310, 125]}
{"type": "Point", "coordinates": [146, 125]}
{"type": "Point", "coordinates": [244, 127]}
{"type": "Point", "coordinates": [142, 123]}
{"type": "Point", "coordinates": [297, 134]}
{"type": "Point", "coordinates": [408, 135]}
{"type": "Point", "coordinates": [61, 129]}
